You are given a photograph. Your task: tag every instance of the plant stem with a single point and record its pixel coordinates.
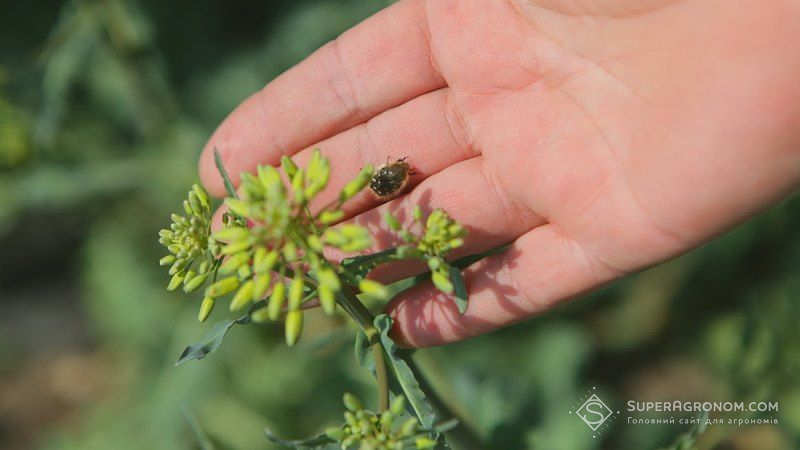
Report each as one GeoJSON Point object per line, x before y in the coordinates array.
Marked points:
{"type": "Point", "coordinates": [361, 315]}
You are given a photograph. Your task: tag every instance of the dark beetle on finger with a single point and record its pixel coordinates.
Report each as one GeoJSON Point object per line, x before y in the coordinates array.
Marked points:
{"type": "Point", "coordinates": [390, 180]}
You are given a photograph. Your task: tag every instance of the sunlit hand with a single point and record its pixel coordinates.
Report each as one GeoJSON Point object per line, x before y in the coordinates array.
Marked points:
{"type": "Point", "coordinates": [599, 136]}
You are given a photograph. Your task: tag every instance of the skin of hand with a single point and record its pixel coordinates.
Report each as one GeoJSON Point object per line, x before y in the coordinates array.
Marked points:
{"type": "Point", "coordinates": [599, 136]}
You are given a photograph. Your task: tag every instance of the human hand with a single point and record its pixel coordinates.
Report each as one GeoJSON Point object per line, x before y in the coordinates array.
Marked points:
{"type": "Point", "coordinates": [600, 137]}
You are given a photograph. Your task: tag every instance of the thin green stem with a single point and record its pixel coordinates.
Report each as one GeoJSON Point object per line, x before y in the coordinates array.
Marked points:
{"type": "Point", "coordinates": [361, 315]}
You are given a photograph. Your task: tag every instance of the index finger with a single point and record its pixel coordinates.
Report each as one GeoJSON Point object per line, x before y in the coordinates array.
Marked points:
{"type": "Point", "coordinates": [381, 63]}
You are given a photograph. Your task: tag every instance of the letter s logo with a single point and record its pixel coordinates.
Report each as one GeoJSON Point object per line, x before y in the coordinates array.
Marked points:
{"type": "Point", "coordinates": [597, 414]}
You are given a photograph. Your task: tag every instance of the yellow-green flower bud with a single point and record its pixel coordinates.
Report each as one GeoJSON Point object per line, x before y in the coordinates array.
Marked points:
{"type": "Point", "coordinates": [417, 213]}
{"type": "Point", "coordinates": [276, 300]}
{"type": "Point", "coordinates": [327, 300]}
{"type": "Point", "coordinates": [373, 289]}
{"type": "Point", "coordinates": [328, 278]}
{"type": "Point", "coordinates": [408, 428]}
{"type": "Point", "coordinates": [269, 179]}
{"type": "Point", "coordinates": [329, 217]}
{"type": "Point", "coordinates": [434, 263]}
{"type": "Point", "coordinates": [455, 243]}
{"type": "Point", "coordinates": [335, 433]}
{"type": "Point", "coordinates": [391, 221]}
{"type": "Point", "coordinates": [260, 286]}
{"type": "Point", "coordinates": [243, 296]}
{"type": "Point", "coordinates": [261, 315]}
{"type": "Point", "coordinates": [264, 261]}
{"type": "Point", "coordinates": [424, 443]}
{"type": "Point", "coordinates": [236, 247]}
{"type": "Point", "coordinates": [288, 166]}
{"type": "Point", "coordinates": [398, 405]}
{"type": "Point", "coordinates": [442, 282]}
{"type": "Point", "coordinates": [232, 263]}
{"type": "Point", "coordinates": [205, 309]}
{"type": "Point", "coordinates": [293, 326]}
{"type": "Point", "coordinates": [167, 260]}
{"type": "Point", "coordinates": [314, 243]}
{"type": "Point", "coordinates": [222, 287]}
{"type": "Point", "coordinates": [298, 185]}
{"type": "Point", "coordinates": [176, 281]}
{"type": "Point", "coordinates": [386, 420]}
{"type": "Point", "coordinates": [202, 195]}
{"type": "Point", "coordinates": [290, 251]}
{"type": "Point", "coordinates": [195, 282]}
{"type": "Point", "coordinates": [356, 185]}
{"type": "Point", "coordinates": [352, 403]}
{"type": "Point", "coordinates": [295, 292]}
{"type": "Point", "coordinates": [231, 234]}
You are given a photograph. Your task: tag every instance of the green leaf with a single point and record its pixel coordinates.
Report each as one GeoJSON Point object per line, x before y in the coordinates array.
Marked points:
{"type": "Point", "coordinates": [213, 338]}
{"type": "Point", "coordinates": [224, 174]}
{"type": "Point", "coordinates": [317, 442]}
{"type": "Point", "coordinates": [459, 288]}
{"type": "Point", "coordinates": [404, 375]}
{"type": "Point", "coordinates": [363, 353]}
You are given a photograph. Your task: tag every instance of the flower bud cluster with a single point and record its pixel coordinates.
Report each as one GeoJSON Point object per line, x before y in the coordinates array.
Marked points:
{"type": "Point", "coordinates": [440, 234]}
{"type": "Point", "coordinates": [271, 246]}
{"type": "Point", "coordinates": [190, 258]}
{"type": "Point", "coordinates": [388, 430]}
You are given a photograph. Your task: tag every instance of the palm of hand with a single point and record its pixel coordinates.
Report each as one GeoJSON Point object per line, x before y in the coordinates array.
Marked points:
{"type": "Point", "coordinates": [602, 141]}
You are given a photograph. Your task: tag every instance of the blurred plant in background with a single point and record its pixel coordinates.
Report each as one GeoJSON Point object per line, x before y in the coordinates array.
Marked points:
{"type": "Point", "coordinates": [104, 105]}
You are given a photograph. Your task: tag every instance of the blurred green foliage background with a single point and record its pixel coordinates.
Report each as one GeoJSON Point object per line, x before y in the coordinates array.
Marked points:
{"type": "Point", "coordinates": [104, 106]}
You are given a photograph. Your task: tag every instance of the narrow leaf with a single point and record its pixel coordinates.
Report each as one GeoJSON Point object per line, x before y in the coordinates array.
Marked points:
{"type": "Point", "coordinates": [213, 339]}
{"type": "Point", "coordinates": [404, 375]}
{"type": "Point", "coordinates": [224, 174]}
{"type": "Point", "coordinates": [459, 288]}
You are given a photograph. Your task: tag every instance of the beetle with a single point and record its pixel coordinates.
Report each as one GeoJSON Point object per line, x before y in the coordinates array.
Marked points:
{"type": "Point", "coordinates": [390, 180]}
